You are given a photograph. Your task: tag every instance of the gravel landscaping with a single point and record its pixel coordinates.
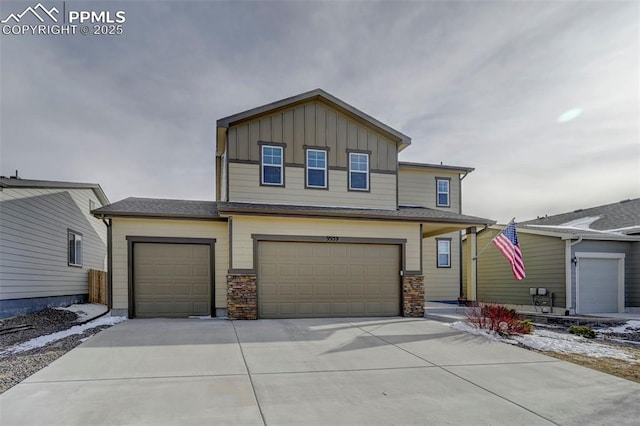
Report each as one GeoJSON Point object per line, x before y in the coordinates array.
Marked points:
{"type": "Point", "coordinates": [15, 367]}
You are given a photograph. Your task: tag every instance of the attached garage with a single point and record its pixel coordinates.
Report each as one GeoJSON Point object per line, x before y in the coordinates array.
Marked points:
{"type": "Point", "coordinates": [171, 277]}
{"type": "Point", "coordinates": [314, 279]}
{"type": "Point", "coordinates": [600, 283]}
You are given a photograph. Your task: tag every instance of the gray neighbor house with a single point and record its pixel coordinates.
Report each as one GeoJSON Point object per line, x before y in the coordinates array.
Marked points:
{"type": "Point", "coordinates": [582, 262]}
{"type": "Point", "coordinates": [48, 242]}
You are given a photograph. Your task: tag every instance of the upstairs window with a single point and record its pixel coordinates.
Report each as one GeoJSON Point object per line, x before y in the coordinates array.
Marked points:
{"type": "Point", "coordinates": [358, 171]}
{"type": "Point", "coordinates": [442, 194]}
{"type": "Point", "coordinates": [316, 168]}
{"type": "Point", "coordinates": [272, 165]}
{"type": "Point", "coordinates": [444, 253]}
{"type": "Point", "coordinates": [75, 248]}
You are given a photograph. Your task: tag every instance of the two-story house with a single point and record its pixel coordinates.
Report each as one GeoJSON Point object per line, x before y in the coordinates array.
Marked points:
{"type": "Point", "coordinates": [315, 217]}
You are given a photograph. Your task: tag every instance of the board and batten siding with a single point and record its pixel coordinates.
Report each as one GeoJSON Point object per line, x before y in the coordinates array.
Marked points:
{"type": "Point", "coordinates": [441, 283]}
{"type": "Point", "coordinates": [34, 241]}
{"type": "Point", "coordinates": [244, 186]}
{"type": "Point", "coordinates": [631, 265]}
{"type": "Point", "coordinates": [123, 227]}
{"type": "Point", "coordinates": [417, 187]}
{"type": "Point", "coordinates": [245, 226]}
{"type": "Point", "coordinates": [544, 260]}
{"type": "Point", "coordinates": [313, 123]}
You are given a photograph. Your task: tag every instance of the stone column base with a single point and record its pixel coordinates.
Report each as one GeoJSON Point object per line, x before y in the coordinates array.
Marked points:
{"type": "Point", "coordinates": [413, 296]}
{"type": "Point", "coordinates": [242, 300]}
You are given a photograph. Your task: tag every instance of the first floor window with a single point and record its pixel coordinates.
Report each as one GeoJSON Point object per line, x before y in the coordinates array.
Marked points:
{"type": "Point", "coordinates": [444, 253]}
{"type": "Point", "coordinates": [316, 168]}
{"type": "Point", "coordinates": [442, 186]}
{"type": "Point", "coordinates": [358, 171]}
{"type": "Point", "coordinates": [75, 248]}
{"type": "Point", "coordinates": [272, 165]}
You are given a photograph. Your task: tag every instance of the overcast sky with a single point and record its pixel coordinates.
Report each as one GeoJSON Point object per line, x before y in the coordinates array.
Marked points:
{"type": "Point", "coordinates": [541, 98]}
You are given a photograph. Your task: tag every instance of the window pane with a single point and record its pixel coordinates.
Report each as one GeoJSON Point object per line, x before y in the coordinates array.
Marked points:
{"type": "Point", "coordinates": [444, 250]}
{"type": "Point", "coordinates": [315, 178]}
{"type": "Point", "coordinates": [271, 174]}
{"type": "Point", "coordinates": [272, 155]}
{"type": "Point", "coordinates": [443, 199]}
{"type": "Point", "coordinates": [443, 186]}
{"type": "Point", "coordinates": [358, 180]}
{"type": "Point", "coordinates": [72, 249]}
{"type": "Point", "coordinates": [443, 260]}
{"type": "Point", "coordinates": [359, 162]}
{"type": "Point", "coordinates": [78, 251]}
{"type": "Point", "coordinates": [316, 159]}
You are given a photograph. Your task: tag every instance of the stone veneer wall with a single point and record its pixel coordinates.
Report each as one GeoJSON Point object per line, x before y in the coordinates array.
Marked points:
{"type": "Point", "coordinates": [242, 301]}
{"type": "Point", "coordinates": [413, 296]}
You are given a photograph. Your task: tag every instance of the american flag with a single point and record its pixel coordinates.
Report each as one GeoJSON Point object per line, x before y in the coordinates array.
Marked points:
{"type": "Point", "coordinates": [508, 244]}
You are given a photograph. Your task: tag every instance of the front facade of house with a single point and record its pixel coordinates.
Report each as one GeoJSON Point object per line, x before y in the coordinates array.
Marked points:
{"type": "Point", "coordinates": [48, 241]}
{"type": "Point", "coordinates": [316, 218]}
{"type": "Point", "coordinates": [587, 262]}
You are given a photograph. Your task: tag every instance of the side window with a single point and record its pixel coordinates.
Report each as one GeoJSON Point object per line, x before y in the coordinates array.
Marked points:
{"type": "Point", "coordinates": [442, 192]}
{"type": "Point", "coordinates": [75, 248]}
{"type": "Point", "coordinates": [358, 171]}
{"type": "Point", "coordinates": [272, 165]}
{"type": "Point", "coordinates": [444, 253]}
{"type": "Point", "coordinates": [316, 168]}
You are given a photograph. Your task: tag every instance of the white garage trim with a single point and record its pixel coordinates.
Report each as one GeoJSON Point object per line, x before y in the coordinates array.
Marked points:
{"type": "Point", "coordinates": [620, 258]}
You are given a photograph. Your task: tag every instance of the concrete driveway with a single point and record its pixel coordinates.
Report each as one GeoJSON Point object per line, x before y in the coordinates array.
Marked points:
{"type": "Point", "coordinates": [317, 371]}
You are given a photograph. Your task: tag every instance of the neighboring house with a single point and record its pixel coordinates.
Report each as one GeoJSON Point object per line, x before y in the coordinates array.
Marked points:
{"type": "Point", "coordinates": [588, 261]}
{"type": "Point", "coordinates": [48, 241]}
{"type": "Point", "coordinates": [310, 222]}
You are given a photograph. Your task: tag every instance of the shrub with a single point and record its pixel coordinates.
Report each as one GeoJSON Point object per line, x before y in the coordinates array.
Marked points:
{"type": "Point", "coordinates": [500, 320]}
{"type": "Point", "coordinates": [582, 330]}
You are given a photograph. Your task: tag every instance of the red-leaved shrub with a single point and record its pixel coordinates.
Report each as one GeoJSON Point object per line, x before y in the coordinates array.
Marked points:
{"type": "Point", "coordinates": [496, 318]}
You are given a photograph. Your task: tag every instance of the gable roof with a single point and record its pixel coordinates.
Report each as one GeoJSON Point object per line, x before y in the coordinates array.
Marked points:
{"type": "Point", "coordinates": [317, 94]}
{"type": "Point", "coordinates": [621, 218]}
{"type": "Point", "coordinates": [30, 183]}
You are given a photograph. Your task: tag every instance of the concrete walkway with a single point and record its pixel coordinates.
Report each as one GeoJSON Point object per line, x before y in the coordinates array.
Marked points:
{"type": "Point", "coordinates": [329, 371]}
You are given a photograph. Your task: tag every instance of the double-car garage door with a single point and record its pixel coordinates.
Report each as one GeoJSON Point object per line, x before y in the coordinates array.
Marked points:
{"type": "Point", "coordinates": [308, 279]}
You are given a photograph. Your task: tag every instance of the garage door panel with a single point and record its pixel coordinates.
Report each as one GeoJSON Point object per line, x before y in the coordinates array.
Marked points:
{"type": "Point", "coordinates": [171, 280]}
{"type": "Point", "coordinates": [328, 280]}
{"type": "Point", "coordinates": [598, 285]}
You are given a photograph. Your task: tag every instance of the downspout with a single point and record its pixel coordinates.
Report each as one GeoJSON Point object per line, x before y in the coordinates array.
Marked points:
{"type": "Point", "coordinates": [569, 274]}
{"type": "Point", "coordinates": [109, 264]}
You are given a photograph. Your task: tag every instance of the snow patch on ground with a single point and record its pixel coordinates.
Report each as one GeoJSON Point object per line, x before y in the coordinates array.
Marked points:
{"type": "Point", "coordinates": [632, 326]}
{"type": "Point", "coordinates": [551, 341]}
{"type": "Point", "coordinates": [41, 341]}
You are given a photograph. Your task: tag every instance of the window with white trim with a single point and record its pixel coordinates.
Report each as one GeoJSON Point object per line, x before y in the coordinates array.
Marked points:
{"type": "Point", "coordinates": [442, 188]}
{"type": "Point", "coordinates": [316, 168]}
{"type": "Point", "coordinates": [272, 165]}
{"type": "Point", "coordinates": [75, 248]}
{"type": "Point", "coordinates": [444, 253]}
{"type": "Point", "coordinates": [358, 171]}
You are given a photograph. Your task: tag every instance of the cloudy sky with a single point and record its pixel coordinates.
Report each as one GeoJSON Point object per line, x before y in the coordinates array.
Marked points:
{"type": "Point", "coordinates": [542, 98]}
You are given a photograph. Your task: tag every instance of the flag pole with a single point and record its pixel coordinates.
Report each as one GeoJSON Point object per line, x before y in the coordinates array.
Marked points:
{"type": "Point", "coordinates": [487, 245]}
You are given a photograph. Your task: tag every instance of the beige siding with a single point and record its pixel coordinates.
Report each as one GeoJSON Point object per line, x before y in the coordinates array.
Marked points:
{"type": "Point", "coordinates": [417, 187]}
{"type": "Point", "coordinates": [123, 227]}
{"type": "Point", "coordinates": [245, 226]}
{"type": "Point", "coordinates": [244, 186]}
{"type": "Point", "coordinates": [441, 283]}
{"type": "Point", "coordinates": [34, 245]}
{"type": "Point", "coordinates": [315, 124]}
{"type": "Point", "coordinates": [544, 259]}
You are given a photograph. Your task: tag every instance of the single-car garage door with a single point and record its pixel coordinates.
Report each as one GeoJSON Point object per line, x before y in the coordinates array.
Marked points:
{"type": "Point", "coordinates": [300, 279]}
{"type": "Point", "coordinates": [598, 285]}
{"type": "Point", "coordinates": [171, 280]}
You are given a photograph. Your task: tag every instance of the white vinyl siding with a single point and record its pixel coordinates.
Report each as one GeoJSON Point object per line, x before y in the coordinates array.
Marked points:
{"type": "Point", "coordinates": [34, 241]}
{"type": "Point", "coordinates": [244, 187]}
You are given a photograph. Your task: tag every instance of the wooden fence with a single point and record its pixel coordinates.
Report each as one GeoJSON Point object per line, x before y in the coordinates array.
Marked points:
{"type": "Point", "coordinates": [97, 286]}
